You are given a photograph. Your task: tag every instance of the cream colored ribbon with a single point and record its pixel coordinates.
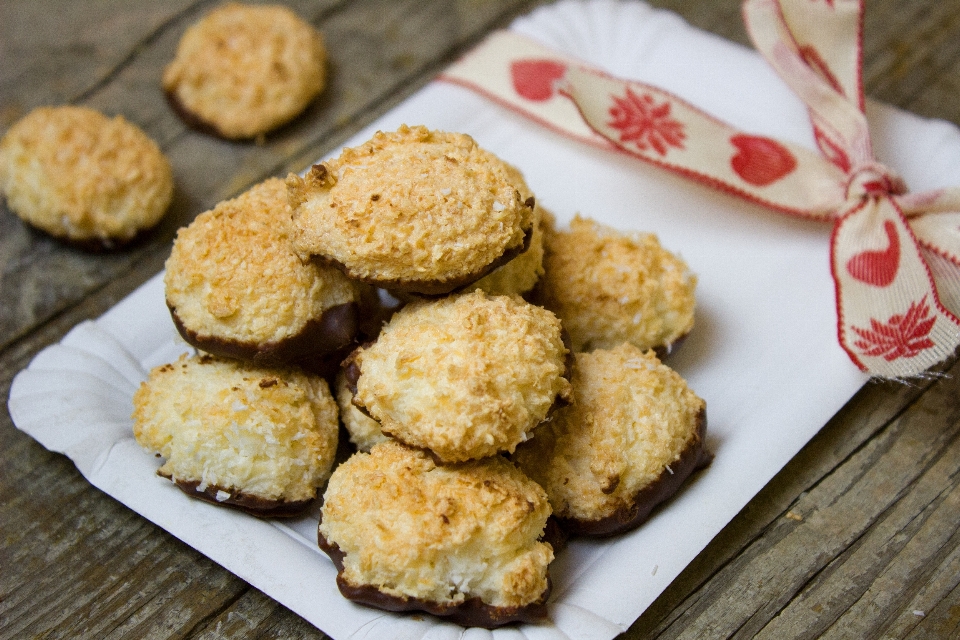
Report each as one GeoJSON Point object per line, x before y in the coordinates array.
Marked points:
{"type": "Point", "coordinates": [895, 256]}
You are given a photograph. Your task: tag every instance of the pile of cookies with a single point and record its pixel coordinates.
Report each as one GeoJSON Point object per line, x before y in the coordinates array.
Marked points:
{"type": "Point", "coordinates": [417, 274]}
{"type": "Point", "coordinates": [498, 378]}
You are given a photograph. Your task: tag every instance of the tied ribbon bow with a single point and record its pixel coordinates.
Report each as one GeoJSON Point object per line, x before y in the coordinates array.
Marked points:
{"type": "Point", "coordinates": [895, 256]}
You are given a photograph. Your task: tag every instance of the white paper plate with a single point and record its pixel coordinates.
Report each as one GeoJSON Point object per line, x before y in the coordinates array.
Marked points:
{"type": "Point", "coordinates": [763, 354]}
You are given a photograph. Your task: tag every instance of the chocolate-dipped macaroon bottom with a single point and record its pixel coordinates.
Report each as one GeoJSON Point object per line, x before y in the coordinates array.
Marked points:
{"type": "Point", "coordinates": [201, 125]}
{"type": "Point", "coordinates": [635, 512]}
{"type": "Point", "coordinates": [434, 288]}
{"type": "Point", "coordinates": [472, 612]}
{"type": "Point", "coordinates": [333, 330]}
{"type": "Point", "coordinates": [251, 504]}
{"type": "Point", "coordinates": [191, 119]}
{"type": "Point", "coordinates": [95, 244]}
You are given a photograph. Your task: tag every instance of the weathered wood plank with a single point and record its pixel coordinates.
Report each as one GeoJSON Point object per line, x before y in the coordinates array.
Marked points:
{"type": "Point", "coordinates": [823, 538]}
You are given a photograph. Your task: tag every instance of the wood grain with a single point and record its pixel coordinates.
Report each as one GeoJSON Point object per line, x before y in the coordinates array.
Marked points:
{"type": "Point", "coordinates": [857, 537]}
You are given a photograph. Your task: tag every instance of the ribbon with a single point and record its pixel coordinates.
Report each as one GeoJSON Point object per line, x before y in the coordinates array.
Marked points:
{"type": "Point", "coordinates": [895, 256]}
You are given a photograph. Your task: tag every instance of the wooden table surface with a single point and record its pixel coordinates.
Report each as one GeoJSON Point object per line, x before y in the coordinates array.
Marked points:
{"type": "Point", "coordinates": [856, 538]}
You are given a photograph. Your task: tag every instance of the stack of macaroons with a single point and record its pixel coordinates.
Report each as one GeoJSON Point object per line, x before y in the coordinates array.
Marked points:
{"type": "Point", "coordinates": [473, 420]}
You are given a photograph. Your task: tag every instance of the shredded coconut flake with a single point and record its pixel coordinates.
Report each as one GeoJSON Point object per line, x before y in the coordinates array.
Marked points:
{"type": "Point", "coordinates": [222, 495]}
{"type": "Point", "coordinates": [497, 206]}
{"type": "Point", "coordinates": [669, 470]}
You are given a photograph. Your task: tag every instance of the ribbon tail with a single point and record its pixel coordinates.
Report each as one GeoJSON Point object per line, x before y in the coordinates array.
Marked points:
{"type": "Point", "coordinates": [946, 275]}
{"type": "Point", "coordinates": [891, 319]}
{"type": "Point", "coordinates": [938, 233]}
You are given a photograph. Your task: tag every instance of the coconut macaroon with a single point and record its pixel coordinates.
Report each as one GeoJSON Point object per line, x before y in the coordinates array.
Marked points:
{"type": "Point", "coordinates": [242, 71]}
{"type": "Point", "coordinates": [460, 541]}
{"type": "Point", "coordinates": [610, 287]}
{"type": "Point", "coordinates": [633, 433]}
{"type": "Point", "coordinates": [257, 439]}
{"type": "Point", "coordinates": [364, 431]}
{"type": "Point", "coordinates": [89, 180]}
{"type": "Point", "coordinates": [413, 210]}
{"type": "Point", "coordinates": [465, 376]}
{"type": "Point", "coordinates": [235, 287]}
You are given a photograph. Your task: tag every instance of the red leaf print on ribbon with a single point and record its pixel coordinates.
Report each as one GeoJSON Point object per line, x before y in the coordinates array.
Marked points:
{"type": "Point", "coordinates": [646, 124]}
{"type": "Point", "coordinates": [902, 336]}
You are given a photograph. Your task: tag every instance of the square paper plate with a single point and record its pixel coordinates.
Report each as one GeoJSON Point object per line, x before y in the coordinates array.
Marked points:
{"type": "Point", "coordinates": [763, 353]}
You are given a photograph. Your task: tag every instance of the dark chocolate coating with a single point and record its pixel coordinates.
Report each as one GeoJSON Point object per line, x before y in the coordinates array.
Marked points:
{"type": "Point", "coordinates": [333, 330]}
{"type": "Point", "coordinates": [630, 516]}
{"type": "Point", "coordinates": [191, 119]}
{"type": "Point", "coordinates": [255, 506]}
{"type": "Point", "coordinates": [472, 612]}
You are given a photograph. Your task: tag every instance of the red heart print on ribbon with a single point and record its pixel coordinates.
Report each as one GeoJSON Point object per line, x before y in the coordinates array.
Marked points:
{"type": "Point", "coordinates": [878, 267]}
{"type": "Point", "coordinates": [895, 256]}
{"type": "Point", "coordinates": [533, 79]}
{"type": "Point", "coordinates": [761, 161]}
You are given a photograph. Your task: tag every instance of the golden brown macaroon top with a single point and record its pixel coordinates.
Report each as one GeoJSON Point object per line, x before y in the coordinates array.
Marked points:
{"type": "Point", "coordinates": [631, 417]}
{"type": "Point", "coordinates": [441, 534]}
{"type": "Point", "coordinates": [410, 209]}
{"type": "Point", "coordinates": [466, 376]}
{"type": "Point", "coordinates": [232, 273]}
{"type": "Point", "coordinates": [269, 433]}
{"type": "Point", "coordinates": [610, 287]}
{"type": "Point", "coordinates": [81, 176]}
{"type": "Point", "coordinates": [243, 70]}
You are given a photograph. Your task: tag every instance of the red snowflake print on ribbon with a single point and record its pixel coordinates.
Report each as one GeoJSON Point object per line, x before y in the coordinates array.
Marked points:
{"type": "Point", "coordinates": [645, 123]}
{"type": "Point", "coordinates": [902, 336]}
